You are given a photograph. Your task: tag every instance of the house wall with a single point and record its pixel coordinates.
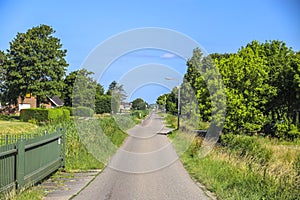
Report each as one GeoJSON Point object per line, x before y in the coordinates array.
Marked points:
{"type": "Point", "coordinates": [32, 101]}
{"type": "Point", "coordinates": [28, 100]}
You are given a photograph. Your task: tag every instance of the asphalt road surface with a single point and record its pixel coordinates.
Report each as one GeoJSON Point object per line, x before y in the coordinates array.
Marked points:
{"type": "Point", "coordinates": [145, 167]}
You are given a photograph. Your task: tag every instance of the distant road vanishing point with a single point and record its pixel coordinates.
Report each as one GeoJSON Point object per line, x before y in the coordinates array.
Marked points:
{"type": "Point", "coordinates": [145, 167]}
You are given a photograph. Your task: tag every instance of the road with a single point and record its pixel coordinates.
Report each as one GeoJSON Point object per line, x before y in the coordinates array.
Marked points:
{"type": "Point", "coordinates": [145, 167]}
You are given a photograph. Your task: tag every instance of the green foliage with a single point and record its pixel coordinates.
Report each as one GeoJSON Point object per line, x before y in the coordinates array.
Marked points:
{"type": "Point", "coordinates": [35, 64]}
{"type": "Point", "coordinates": [82, 111]}
{"type": "Point", "coordinates": [172, 102]}
{"type": "Point", "coordinates": [112, 130]}
{"type": "Point", "coordinates": [246, 146]}
{"type": "Point", "coordinates": [293, 133]}
{"type": "Point", "coordinates": [126, 121]}
{"type": "Point", "coordinates": [140, 114]}
{"type": "Point", "coordinates": [297, 164]}
{"type": "Point", "coordinates": [161, 101]}
{"type": "Point", "coordinates": [171, 121]}
{"type": "Point", "coordinates": [204, 83]}
{"type": "Point", "coordinates": [2, 74]}
{"type": "Point", "coordinates": [262, 87]}
{"type": "Point", "coordinates": [238, 177]}
{"type": "Point", "coordinates": [139, 104]}
{"type": "Point", "coordinates": [103, 104]}
{"type": "Point", "coordinates": [70, 109]}
{"type": "Point", "coordinates": [39, 115]}
{"type": "Point", "coordinates": [118, 94]}
{"type": "Point", "coordinates": [9, 117]}
{"type": "Point", "coordinates": [246, 79]}
{"type": "Point", "coordinates": [34, 113]}
{"type": "Point", "coordinates": [80, 89]}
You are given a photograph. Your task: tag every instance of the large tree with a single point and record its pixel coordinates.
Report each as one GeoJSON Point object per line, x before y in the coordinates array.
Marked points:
{"type": "Point", "coordinates": [2, 71]}
{"type": "Point", "coordinates": [118, 94]}
{"type": "Point", "coordinates": [103, 104]}
{"type": "Point", "coordinates": [35, 64]}
{"type": "Point", "coordinates": [81, 89]}
{"type": "Point", "coordinates": [203, 81]}
{"type": "Point", "coordinates": [246, 79]}
{"type": "Point", "coordinates": [2, 74]}
{"type": "Point", "coordinates": [139, 104]}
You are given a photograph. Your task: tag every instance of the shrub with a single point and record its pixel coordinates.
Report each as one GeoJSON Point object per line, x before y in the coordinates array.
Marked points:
{"type": "Point", "coordinates": [44, 115]}
{"type": "Point", "coordinates": [9, 117]}
{"type": "Point", "coordinates": [293, 133]}
{"type": "Point", "coordinates": [82, 111]}
{"type": "Point", "coordinates": [70, 109]}
{"type": "Point", "coordinates": [66, 114]}
{"type": "Point", "coordinates": [40, 115]}
{"type": "Point", "coordinates": [140, 114]}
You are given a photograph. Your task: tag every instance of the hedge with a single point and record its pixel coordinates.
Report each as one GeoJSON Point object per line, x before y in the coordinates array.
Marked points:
{"type": "Point", "coordinates": [82, 111]}
{"type": "Point", "coordinates": [44, 115]}
{"type": "Point", "coordinates": [71, 110]}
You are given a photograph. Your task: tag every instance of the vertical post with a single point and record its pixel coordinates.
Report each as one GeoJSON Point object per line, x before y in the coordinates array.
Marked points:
{"type": "Point", "coordinates": [6, 139]}
{"type": "Point", "coordinates": [63, 145]}
{"type": "Point", "coordinates": [20, 168]}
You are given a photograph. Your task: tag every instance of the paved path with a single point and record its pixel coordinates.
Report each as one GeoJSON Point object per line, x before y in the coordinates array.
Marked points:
{"type": "Point", "coordinates": [66, 185]}
{"type": "Point", "coordinates": [145, 167]}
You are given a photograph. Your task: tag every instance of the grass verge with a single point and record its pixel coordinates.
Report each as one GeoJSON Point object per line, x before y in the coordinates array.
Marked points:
{"type": "Point", "coordinates": [78, 156]}
{"type": "Point", "coordinates": [246, 168]}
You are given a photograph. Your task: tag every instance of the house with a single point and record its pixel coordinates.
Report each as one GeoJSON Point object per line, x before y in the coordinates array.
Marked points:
{"type": "Point", "coordinates": [30, 101]}
{"type": "Point", "coordinates": [125, 107]}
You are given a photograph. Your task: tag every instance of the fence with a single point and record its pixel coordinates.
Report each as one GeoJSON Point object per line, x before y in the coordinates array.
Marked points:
{"type": "Point", "coordinates": [29, 160]}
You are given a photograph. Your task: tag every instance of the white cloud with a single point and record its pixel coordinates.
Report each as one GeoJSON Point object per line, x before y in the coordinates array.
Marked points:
{"type": "Point", "coordinates": [168, 55]}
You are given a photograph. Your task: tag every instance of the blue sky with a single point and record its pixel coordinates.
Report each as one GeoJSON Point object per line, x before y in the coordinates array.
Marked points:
{"type": "Point", "coordinates": [219, 26]}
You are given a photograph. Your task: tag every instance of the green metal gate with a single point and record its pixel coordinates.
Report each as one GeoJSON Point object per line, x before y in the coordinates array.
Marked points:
{"type": "Point", "coordinates": [28, 161]}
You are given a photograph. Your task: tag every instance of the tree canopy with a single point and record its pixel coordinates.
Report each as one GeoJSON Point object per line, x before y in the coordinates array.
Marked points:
{"type": "Point", "coordinates": [2, 73]}
{"type": "Point", "coordinates": [262, 87]}
{"type": "Point", "coordinates": [35, 64]}
{"type": "Point", "coordinates": [139, 104]}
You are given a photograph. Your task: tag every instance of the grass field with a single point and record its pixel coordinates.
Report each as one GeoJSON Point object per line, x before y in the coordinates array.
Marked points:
{"type": "Point", "coordinates": [15, 127]}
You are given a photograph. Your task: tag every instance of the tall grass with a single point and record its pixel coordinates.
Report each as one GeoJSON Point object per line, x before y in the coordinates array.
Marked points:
{"type": "Point", "coordinates": [171, 121]}
{"type": "Point", "coordinates": [81, 135]}
{"type": "Point", "coordinates": [245, 168]}
{"type": "Point", "coordinates": [78, 156]}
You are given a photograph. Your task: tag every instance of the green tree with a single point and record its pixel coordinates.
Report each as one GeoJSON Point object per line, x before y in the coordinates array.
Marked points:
{"type": "Point", "coordinates": [282, 108]}
{"type": "Point", "coordinates": [246, 78]}
{"type": "Point", "coordinates": [103, 104]}
{"type": "Point", "coordinates": [139, 104]}
{"type": "Point", "coordinates": [35, 64]}
{"type": "Point", "coordinates": [112, 86]}
{"type": "Point", "coordinates": [188, 101]}
{"type": "Point", "coordinates": [284, 71]}
{"type": "Point", "coordinates": [118, 94]}
{"type": "Point", "coordinates": [172, 102]}
{"type": "Point", "coordinates": [81, 89]}
{"type": "Point", "coordinates": [161, 101]}
{"type": "Point", "coordinates": [2, 74]}
{"type": "Point", "coordinates": [205, 83]}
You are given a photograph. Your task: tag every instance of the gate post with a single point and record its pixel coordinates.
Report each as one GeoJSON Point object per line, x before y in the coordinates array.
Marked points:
{"type": "Point", "coordinates": [63, 145]}
{"type": "Point", "coordinates": [20, 167]}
